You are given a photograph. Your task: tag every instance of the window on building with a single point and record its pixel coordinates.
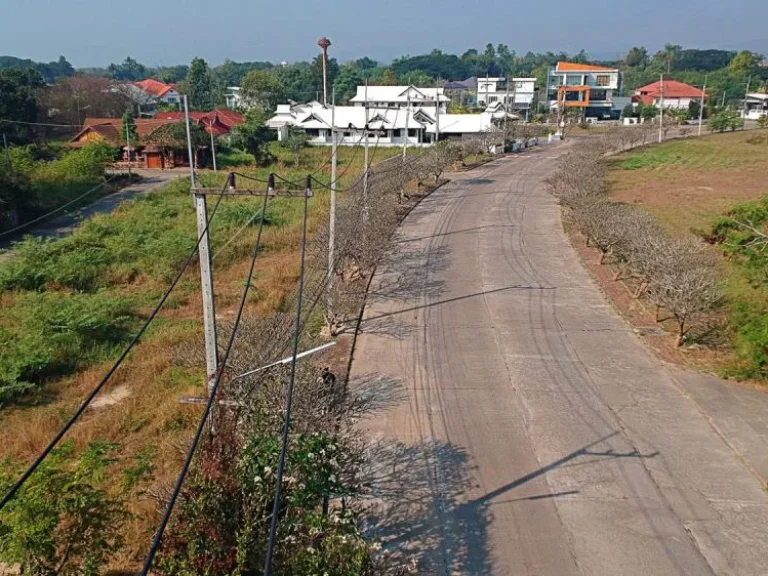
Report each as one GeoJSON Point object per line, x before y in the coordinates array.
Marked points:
{"type": "Point", "coordinates": [573, 80]}
{"type": "Point", "coordinates": [597, 95]}
{"type": "Point", "coordinates": [312, 132]}
{"type": "Point", "coordinates": [603, 80]}
{"type": "Point", "coordinates": [492, 99]}
{"type": "Point", "coordinates": [347, 134]}
{"type": "Point", "coordinates": [396, 133]}
{"type": "Point", "coordinates": [412, 132]}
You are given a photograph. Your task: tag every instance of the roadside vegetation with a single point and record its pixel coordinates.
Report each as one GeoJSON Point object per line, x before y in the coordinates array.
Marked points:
{"type": "Point", "coordinates": [697, 205]}
{"type": "Point", "coordinates": [70, 304]}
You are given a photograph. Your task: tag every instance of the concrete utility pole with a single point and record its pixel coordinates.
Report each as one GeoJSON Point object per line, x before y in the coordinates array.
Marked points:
{"type": "Point", "coordinates": [365, 137]}
{"type": "Point", "coordinates": [206, 269]}
{"type": "Point", "coordinates": [744, 107]}
{"type": "Point", "coordinates": [324, 44]}
{"type": "Point", "coordinates": [128, 148]}
{"type": "Point", "coordinates": [506, 105]}
{"type": "Point", "coordinates": [334, 172]}
{"type": "Point", "coordinates": [661, 109]}
{"type": "Point", "coordinates": [213, 145]}
{"type": "Point", "coordinates": [407, 114]}
{"type": "Point", "coordinates": [701, 106]}
{"type": "Point", "coordinates": [437, 111]}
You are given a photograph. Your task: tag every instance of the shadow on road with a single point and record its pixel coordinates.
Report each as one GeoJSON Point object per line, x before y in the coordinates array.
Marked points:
{"type": "Point", "coordinates": [418, 507]}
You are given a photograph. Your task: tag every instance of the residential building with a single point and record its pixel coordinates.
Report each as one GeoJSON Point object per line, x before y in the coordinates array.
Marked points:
{"type": "Point", "coordinates": [144, 154]}
{"type": "Point", "coordinates": [675, 95]}
{"type": "Point", "coordinates": [389, 126]}
{"type": "Point", "coordinates": [585, 87]}
{"type": "Point", "coordinates": [234, 98]}
{"type": "Point", "coordinates": [754, 106]}
{"type": "Point", "coordinates": [519, 95]}
{"type": "Point", "coordinates": [160, 91]}
{"type": "Point", "coordinates": [401, 97]}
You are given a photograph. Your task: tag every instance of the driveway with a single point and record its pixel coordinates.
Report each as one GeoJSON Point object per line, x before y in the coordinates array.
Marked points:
{"type": "Point", "coordinates": [519, 426]}
{"type": "Point", "coordinates": [66, 223]}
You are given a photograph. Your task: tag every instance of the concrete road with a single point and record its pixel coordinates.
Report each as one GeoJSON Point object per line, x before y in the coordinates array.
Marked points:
{"type": "Point", "coordinates": [519, 426]}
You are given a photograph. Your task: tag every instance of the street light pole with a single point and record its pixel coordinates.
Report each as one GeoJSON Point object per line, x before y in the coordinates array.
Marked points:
{"type": "Point", "coordinates": [701, 106]}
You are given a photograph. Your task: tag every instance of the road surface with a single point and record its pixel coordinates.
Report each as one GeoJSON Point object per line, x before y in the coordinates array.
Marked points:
{"type": "Point", "coordinates": [519, 426]}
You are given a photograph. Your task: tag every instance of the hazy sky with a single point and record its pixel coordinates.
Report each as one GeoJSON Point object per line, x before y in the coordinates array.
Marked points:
{"type": "Point", "coordinates": [164, 32]}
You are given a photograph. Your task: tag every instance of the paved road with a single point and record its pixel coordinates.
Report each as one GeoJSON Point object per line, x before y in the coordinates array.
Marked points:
{"type": "Point", "coordinates": [64, 225]}
{"type": "Point", "coordinates": [520, 427]}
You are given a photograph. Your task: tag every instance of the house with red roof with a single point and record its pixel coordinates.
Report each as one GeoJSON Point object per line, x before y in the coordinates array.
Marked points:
{"type": "Point", "coordinates": [675, 94]}
{"type": "Point", "coordinates": [160, 91]}
{"type": "Point", "coordinates": [586, 87]}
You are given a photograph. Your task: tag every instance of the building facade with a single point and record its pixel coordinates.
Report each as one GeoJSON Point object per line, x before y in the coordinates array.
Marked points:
{"type": "Point", "coordinates": [401, 97]}
{"type": "Point", "coordinates": [520, 95]}
{"type": "Point", "coordinates": [754, 106]}
{"type": "Point", "coordinates": [590, 89]}
{"type": "Point", "coordinates": [669, 95]}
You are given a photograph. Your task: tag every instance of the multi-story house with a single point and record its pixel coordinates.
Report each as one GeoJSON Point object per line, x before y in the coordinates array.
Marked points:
{"type": "Point", "coordinates": [519, 96]}
{"type": "Point", "coordinates": [401, 97]}
{"type": "Point", "coordinates": [590, 89]}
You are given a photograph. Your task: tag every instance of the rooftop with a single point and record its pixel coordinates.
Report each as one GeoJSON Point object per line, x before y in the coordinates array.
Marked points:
{"type": "Point", "coordinates": [399, 94]}
{"type": "Point", "coordinates": [155, 87]}
{"type": "Point", "coordinates": [672, 89]}
{"type": "Point", "coordinates": [575, 67]}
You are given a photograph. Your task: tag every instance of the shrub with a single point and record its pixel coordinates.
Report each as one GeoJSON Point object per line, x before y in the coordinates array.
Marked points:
{"type": "Point", "coordinates": [53, 334]}
{"type": "Point", "coordinates": [64, 520]}
{"type": "Point", "coordinates": [762, 122]}
{"type": "Point", "coordinates": [725, 120]}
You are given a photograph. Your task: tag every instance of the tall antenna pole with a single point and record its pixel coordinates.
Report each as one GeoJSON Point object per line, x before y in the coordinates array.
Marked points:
{"type": "Point", "coordinates": [701, 106]}
{"type": "Point", "coordinates": [324, 43]}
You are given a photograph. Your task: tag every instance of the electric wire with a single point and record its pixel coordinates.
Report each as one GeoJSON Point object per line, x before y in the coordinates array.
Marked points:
{"type": "Point", "coordinates": [79, 412]}
{"type": "Point", "coordinates": [59, 209]}
{"type": "Point", "coordinates": [211, 399]}
{"type": "Point", "coordinates": [289, 396]}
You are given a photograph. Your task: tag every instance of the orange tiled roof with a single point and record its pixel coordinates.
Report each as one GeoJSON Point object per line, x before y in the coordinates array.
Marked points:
{"type": "Point", "coordinates": [154, 87]}
{"type": "Point", "coordinates": [672, 89]}
{"type": "Point", "coordinates": [574, 67]}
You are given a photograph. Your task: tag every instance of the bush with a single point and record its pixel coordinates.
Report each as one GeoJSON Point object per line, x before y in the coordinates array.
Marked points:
{"type": "Point", "coordinates": [725, 120]}
{"type": "Point", "coordinates": [48, 335]}
{"type": "Point", "coordinates": [741, 234]}
{"type": "Point", "coordinates": [64, 520]}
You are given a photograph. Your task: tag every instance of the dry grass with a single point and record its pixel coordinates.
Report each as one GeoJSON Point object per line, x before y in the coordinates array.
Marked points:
{"type": "Point", "coordinates": [686, 183]}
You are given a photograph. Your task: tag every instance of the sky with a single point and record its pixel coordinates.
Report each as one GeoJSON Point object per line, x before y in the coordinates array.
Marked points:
{"type": "Point", "coordinates": [98, 32]}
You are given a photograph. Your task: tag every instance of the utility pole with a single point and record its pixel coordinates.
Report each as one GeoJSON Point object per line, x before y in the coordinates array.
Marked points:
{"type": "Point", "coordinates": [661, 109]}
{"type": "Point", "coordinates": [437, 110]}
{"type": "Point", "coordinates": [744, 107]}
{"type": "Point", "coordinates": [213, 145]}
{"type": "Point", "coordinates": [723, 103]}
{"type": "Point", "coordinates": [128, 148]}
{"type": "Point", "coordinates": [407, 113]}
{"type": "Point", "coordinates": [365, 136]}
{"type": "Point", "coordinates": [334, 170]}
{"type": "Point", "coordinates": [206, 269]}
{"type": "Point", "coordinates": [701, 106]}
{"type": "Point", "coordinates": [506, 105]}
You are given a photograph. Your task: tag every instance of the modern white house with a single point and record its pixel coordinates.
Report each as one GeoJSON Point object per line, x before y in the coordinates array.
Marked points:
{"type": "Point", "coordinates": [754, 106]}
{"type": "Point", "coordinates": [233, 98]}
{"type": "Point", "coordinates": [160, 91]}
{"type": "Point", "coordinates": [387, 126]}
{"type": "Point", "coordinates": [521, 94]}
{"type": "Point", "coordinates": [401, 97]}
{"type": "Point", "coordinates": [588, 88]}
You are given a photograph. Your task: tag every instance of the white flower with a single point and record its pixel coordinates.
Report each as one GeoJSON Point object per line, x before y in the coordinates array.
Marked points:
{"type": "Point", "coordinates": [257, 479]}
{"type": "Point", "coordinates": [311, 456]}
{"type": "Point", "coordinates": [332, 477]}
{"type": "Point", "coordinates": [310, 550]}
{"type": "Point", "coordinates": [267, 470]}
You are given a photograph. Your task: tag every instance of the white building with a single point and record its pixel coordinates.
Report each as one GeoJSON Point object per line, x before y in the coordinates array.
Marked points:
{"type": "Point", "coordinates": [233, 98]}
{"type": "Point", "coordinates": [520, 96]}
{"type": "Point", "coordinates": [755, 106]}
{"type": "Point", "coordinates": [401, 97]}
{"type": "Point", "coordinates": [388, 126]}
{"type": "Point", "coordinates": [160, 91]}
{"type": "Point", "coordinates": [669, 95]}
{"type": "Point", "coordinates": [588, 88]}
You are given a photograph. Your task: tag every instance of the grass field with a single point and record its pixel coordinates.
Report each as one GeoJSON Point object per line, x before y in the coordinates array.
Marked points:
{"type": "Point", "coordinates": [688, 185]}
{"type": "Point", "coordinates": [68, 307]}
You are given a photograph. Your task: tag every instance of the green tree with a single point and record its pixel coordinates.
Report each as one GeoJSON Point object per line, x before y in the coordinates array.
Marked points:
{"type": "Point", "coordinates": [725, 120]}
{"type": "Point", "coordinates": [637, 57]}
{"type": "Point", "coordinates": [389, 78]}
{"type": "Point", "coordinates": [199, 85]}
{"type": "Point", "coordinates": [263, 88]}
{"type": "Point", "coordinates": [346, 83]}
{"type": "Point", "coordinates": [19, 91]}
{"type": "Point", "coordinates": [296, 141]}
{"type": "Point", "coordinates": [254, 136]}
{"type": "Point", "coordinates": [129, 69]}
{"type": "Point", "coordinates": [745, 63]}
{"type": "Point", "coordinates": [671, 52]}
{"type": "Point", "coordinates": [65, 520]}
{"type": "Point", "coordinates": [128, 129]}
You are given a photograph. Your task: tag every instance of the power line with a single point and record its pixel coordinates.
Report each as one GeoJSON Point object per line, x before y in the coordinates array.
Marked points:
{"type": "Point", "coordinates": [211, 398]}
{"type": "Point", "coordinates": [79, 412]}
{"type": "Point", "coordinates": [59, 209]}
{"type": "Point", "coordinates": [289, 395]}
